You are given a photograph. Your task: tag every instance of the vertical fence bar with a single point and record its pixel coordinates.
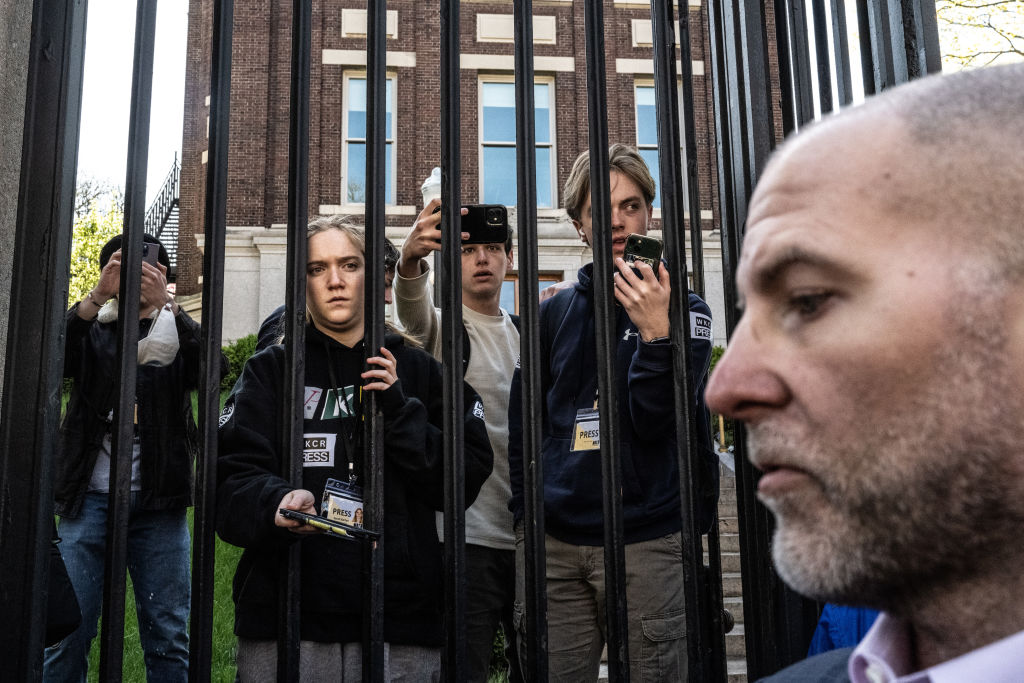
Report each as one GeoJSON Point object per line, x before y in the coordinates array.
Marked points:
{"type": "Point", "coordinates": [800, 52]}
{"type": "Point", "coordinates": [451, 338]}
{"type": "Point", "coordinates": [112, 640]}
{"type": "Point", "coordinates": [878, 29]}
{"type": "Point", "coordinates": [783, 50]}
{"type": "Point", "coordinates": [604, 323]}
{"type": "Point", "coordinates": [35, 332]}
{"type": "Point", "coordinates": [841, 52]}
{"type": "Point", "coordinates": [295, 327]}
{"type": "Point", "coordinates": [921, 36]}
{"type": "Point", "coordinates": [821, 53]}
{"type": "Point", "coordinates": [376, 134]}
{"type": "Point", "coordinates": [673, 230]}
{"type": "Point", "coordinates": [529, 342]}
{"type": "Point", "coordinates": [867, 62]}
{"type": "Point", "coordinates": [215, 219]}
{"type": "Point", "coordinates": [664, 58]}
{"type": "Point", "coordinates": [747, 137]}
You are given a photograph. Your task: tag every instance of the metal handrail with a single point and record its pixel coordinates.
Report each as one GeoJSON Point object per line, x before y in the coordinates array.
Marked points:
{"type": "Point", "coordinates": [165, 201]}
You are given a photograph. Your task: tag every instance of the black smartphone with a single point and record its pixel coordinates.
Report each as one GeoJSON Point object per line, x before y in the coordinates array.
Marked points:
{"type": "Point", "coordinates": [150, 252]}
{"type": "Point", "coordinates": [485, 223]}
{"type": "Point", "coordinates": [643, 248]}
{"type": "Point", "coordinates": [328, 526]}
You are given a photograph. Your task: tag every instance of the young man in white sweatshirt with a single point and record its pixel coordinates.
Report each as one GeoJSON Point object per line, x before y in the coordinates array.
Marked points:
{"type": "Point", "coordinates": [493, 350]}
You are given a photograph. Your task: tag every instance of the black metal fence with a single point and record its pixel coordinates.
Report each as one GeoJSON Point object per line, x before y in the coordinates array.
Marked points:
{"type": "Point", "coordinates": [767, 81]}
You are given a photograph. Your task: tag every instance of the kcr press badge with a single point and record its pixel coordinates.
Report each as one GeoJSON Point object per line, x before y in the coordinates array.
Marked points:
{"type": "Point", "coordinates": [343, 502]}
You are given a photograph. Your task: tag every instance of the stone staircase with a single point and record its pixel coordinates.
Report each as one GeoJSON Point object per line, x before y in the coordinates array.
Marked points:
{"type": "Point", "coordinates": [732, 588]}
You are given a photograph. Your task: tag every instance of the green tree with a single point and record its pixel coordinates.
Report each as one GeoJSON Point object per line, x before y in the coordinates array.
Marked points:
{"type": "Point", "coordinates": [91, 231]}
{"type": "Point", "coordinates": [980, 32]}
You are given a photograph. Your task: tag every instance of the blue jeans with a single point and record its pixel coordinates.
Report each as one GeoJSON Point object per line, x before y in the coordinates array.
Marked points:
{"type": "Point", "coordinates": [158, 562]}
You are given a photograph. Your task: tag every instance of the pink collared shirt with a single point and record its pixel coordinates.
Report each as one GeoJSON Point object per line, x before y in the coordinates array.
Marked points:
{"type": "Point", "coordinates": [884, 657]}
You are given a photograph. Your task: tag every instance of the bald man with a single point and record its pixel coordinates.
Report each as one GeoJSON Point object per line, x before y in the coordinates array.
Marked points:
{"type": "Point", "coordinates": [879, 368]}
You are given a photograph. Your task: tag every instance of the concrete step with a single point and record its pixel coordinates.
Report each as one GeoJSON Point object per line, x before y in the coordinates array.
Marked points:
{"type": "Point", "coordinates": [729, 543]}
{"type": "Point", "coordinates": [736, 642]}
{"type": "Point", "coordinates": [735, 607]}
{"type": "Point", "coordinates": [736, 669]}
{"type": "Point", "coordinates": [728, 525]}
{"type": "Point", "coordinates": [727, 497]}
{"type": "Point", "coordinates": [730, 561]}
{"type": "Point", "coordinates": [727, 478]}
{"type": "Point", "coordinates": [732, 585]}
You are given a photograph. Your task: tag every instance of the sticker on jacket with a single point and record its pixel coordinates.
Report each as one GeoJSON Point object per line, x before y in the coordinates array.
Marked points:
{"type": "Point", "coordinates": [478, 410]}
{"type": "Point", "coordinates": [310, 402]}
{"type": "Point", "coordinates": [318, 450]}
{"type": "Point", "coordinates": [226, 413]}
{"type": "Point", "coordinates": [333, 408]}
{"type": "Point", "coordinates": [700, 326]}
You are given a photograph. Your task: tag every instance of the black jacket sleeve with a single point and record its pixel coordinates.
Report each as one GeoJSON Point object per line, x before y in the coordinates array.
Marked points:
{"type": "Point", "coordinates": [249, 484]}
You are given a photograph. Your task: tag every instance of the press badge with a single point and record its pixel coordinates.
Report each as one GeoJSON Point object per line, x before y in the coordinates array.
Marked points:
{"type": "Point", "coordinates": [587, 430]}
{"type": "Point", "coordinates": [343, 502]}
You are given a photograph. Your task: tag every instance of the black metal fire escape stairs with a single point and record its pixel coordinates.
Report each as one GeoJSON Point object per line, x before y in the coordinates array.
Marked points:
{"type": "Point", "coordinates": [162, 216]}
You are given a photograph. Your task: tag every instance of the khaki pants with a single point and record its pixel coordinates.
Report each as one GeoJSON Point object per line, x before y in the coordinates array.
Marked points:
{"type": "Point", "coordinates": [656, 619]}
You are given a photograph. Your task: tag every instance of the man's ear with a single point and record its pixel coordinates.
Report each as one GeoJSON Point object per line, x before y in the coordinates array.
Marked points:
{"type": "Point", "coordinates": [579, 230]}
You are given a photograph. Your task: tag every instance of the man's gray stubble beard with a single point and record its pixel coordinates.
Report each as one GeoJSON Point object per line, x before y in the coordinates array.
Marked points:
{"type": "Point", "coordinates": [932, 497]}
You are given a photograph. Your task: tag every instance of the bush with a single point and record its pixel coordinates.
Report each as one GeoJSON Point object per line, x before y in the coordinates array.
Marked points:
{"type": "Point", "coordinates": [238, 352]}
{"type": "Point", "coordinates": [716, 353]}
{"type": "Point", "coordinates": [91, 232]}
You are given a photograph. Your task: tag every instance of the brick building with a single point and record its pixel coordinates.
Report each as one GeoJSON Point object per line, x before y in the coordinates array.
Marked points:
{"type": "Point", "coordinates": [257, 176]}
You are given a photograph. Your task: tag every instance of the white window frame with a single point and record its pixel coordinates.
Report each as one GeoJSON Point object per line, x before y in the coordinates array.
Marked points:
{"type": "Point", "coordinates": [548, 81]}
{"type": "Point", "coordinates": [346, 139]}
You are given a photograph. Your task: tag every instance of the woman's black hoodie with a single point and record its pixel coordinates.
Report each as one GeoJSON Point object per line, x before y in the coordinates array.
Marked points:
{"type": "Point", "coordinates": [250, 487]}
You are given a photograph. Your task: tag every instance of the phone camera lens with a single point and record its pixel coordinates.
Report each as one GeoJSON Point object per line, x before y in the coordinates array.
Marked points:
{"type": "Point", "coordinates": [494, 216]}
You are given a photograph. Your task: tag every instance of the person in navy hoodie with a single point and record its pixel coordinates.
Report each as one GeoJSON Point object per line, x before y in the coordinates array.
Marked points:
{"type": "Point", "coordinates": [572, 466]}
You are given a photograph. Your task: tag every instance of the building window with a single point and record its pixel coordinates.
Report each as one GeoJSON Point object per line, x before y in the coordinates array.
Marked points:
{"type": "Point", "coordinates": [647, 134]}
{"type": "Point", "coordinates": [353, 153]}
{"type": "Point", "coordinates": [510, 289]}
{"type": "Point", "coordinates": [498, 141]}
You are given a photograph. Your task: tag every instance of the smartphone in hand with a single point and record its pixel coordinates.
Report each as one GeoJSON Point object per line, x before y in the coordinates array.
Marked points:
{"type": "Point", "coordinates": [150, 252]}
{"type": "Point", "coordinates": [485, 223]}
{"type": "Point", "coordinates": [643, 248]}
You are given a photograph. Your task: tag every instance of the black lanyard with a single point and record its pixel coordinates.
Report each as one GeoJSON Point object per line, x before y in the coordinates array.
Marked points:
{"type": "Point", "coordinates": [351, 426]}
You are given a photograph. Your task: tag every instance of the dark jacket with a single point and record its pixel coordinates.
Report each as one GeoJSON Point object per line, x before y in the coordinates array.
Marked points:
{"type": "Point", "coordinates": [167, 431]}
{"type": "Point", "coordinates": [250, 489]}
{"type": "Point", "coordinates": [647, 423]}
{"type": "Point", "coordinates": [830, 667]}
